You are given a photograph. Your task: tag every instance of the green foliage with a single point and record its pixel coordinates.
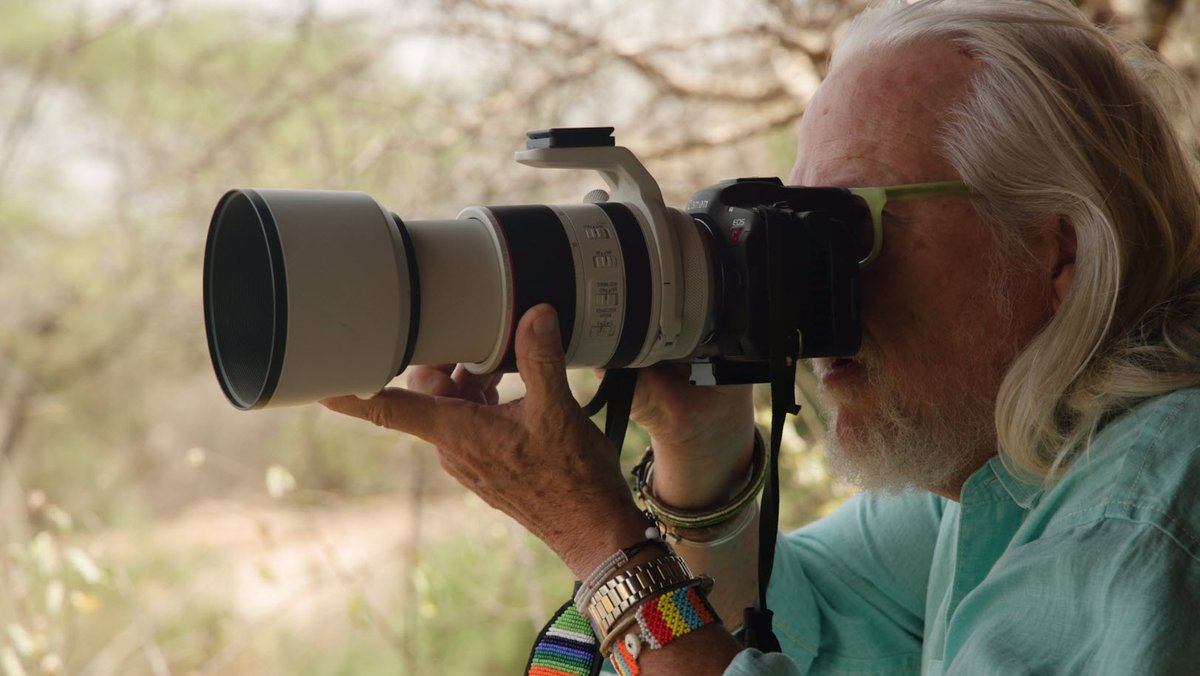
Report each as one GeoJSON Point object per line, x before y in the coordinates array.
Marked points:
{"type": "Point", "coordinates": [480, 603]}
{"type": "Point", "coordinates": [27, 28]}
{"type": "Point", "coordinates": [50, 582]}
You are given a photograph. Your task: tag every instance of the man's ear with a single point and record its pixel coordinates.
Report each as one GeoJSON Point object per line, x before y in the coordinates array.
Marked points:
{"type": "Point", "coordinates": [1062, 271]}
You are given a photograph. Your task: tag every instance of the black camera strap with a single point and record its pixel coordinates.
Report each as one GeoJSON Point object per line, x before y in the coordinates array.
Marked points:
{"type": "Point", "coordinates": [616, 394]}
{"type": "Point", "coordinates": [784, 351]}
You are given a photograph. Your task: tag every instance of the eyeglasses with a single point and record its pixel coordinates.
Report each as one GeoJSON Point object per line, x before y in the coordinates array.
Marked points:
{"type": "Point", "coordinates": [874, 200]}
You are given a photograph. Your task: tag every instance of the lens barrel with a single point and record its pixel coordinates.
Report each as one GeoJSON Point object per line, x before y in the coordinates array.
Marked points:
{"type": "Point", "coordinates": [309, 294]}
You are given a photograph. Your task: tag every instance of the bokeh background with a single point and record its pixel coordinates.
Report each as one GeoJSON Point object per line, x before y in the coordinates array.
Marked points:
{"type": "Point", "coordinates": [149, 528]}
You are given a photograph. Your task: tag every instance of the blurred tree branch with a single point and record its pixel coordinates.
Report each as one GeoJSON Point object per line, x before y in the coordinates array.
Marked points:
{"type": "Point", "coordinates": [51, 60]}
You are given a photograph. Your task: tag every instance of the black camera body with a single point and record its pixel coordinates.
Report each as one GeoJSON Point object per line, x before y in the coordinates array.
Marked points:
{"type": "Point", "coordinates": [792, 244]}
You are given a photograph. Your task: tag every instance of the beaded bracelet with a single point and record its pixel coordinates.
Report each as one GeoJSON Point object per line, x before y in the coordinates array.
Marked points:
{"type": "Point", "coordinates": [567, 646]}
{"type": "Point", "coordinates": [616, 599]}
{"type": "Point", "coordinates": [660, 621]}
{"type": "Point", "coordinates": [610, 565]}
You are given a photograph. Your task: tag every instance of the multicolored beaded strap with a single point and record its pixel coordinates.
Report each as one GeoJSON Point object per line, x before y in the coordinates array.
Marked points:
{"type": "Point", "coordinates": [661, 620]}
{"type": "Point", "coordinates": [567, 646]}
{"type": "Point", "coordinates": [650, 597]}
{"type": "Point", "coordinates": [667, 617]}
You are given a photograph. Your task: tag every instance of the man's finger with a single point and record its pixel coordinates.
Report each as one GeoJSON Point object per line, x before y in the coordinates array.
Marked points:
{"type": "Point", "coordinates": [540, 357]}
{"type": "Point", "coordinates": [478, 388]}
{"type": "Point", "coordinates": [433, 380]}
{"type": "Point", "coordinates": [401, 410]}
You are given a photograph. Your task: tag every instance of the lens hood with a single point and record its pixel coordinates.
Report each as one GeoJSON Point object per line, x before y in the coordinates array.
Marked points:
{"type": "Point", "coordinates": [306, 294]}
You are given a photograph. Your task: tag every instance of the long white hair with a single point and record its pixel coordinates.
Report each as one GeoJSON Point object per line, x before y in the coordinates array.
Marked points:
{"type": "Point", "coordinates": [1065, 123]}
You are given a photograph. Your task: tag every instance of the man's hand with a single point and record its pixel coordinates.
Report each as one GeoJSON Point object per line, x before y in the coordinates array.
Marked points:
{"type": "Point", "coordinates": [702, 435]}
{"type": "Point", "coordinates": [537, 459]}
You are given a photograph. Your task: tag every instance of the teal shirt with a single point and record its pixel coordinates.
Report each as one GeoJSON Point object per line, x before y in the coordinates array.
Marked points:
{"type": "Point", "coordinates": [1099, 574]}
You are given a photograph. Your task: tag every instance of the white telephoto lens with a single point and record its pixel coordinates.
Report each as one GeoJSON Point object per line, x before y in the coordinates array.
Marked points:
{"type": "Point", "coordinates": [310, 294]}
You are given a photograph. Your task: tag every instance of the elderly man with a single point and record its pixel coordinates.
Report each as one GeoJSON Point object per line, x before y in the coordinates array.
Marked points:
{"type": "Point", "coordinates": [1020, 405]}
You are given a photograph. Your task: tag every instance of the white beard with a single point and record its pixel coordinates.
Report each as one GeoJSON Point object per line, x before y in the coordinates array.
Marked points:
{"type": "Point", "coordinates": [919, 445]}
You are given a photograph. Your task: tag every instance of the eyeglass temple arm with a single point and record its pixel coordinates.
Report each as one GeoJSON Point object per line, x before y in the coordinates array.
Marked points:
{"type": "Point", "coordinates": [876, 198]}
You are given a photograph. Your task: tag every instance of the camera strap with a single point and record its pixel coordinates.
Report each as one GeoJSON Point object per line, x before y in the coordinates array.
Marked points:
{"type": "Point", "coordinates": [756, 621]}
{"type": "Point", "coordinates": [784, 351]}
{"type": "Point", "coordinates": [616, 391]}
{"type": "Point", "coordinates": [616, 394]}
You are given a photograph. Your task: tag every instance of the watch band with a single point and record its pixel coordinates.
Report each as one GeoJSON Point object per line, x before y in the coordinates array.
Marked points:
{"type": "Point", "coordinates": [583, 594]}
{"type": "Point", "coordinates": [629, 588]}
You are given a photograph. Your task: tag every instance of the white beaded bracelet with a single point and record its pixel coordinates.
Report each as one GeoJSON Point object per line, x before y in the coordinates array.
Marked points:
{"type": "Point", "coordinates": [610, 565]}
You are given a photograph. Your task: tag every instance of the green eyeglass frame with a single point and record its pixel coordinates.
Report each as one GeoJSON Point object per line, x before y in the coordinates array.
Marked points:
{"type": "Point", "coordinates": [877, 198]}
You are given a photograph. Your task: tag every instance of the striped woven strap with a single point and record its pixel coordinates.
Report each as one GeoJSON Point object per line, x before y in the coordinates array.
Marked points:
{"type": "Point", "coordinates": [566, 646]}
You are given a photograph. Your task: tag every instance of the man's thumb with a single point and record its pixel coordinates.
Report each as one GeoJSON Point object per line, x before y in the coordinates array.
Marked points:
{"type": "Point", "coordinates": [540, 358]}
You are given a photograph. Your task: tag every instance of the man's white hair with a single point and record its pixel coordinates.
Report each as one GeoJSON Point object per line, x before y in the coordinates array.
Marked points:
{"type": "Point", "coordinates": [1065, 123]}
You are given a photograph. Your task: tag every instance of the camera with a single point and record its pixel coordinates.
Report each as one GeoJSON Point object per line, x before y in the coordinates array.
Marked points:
{"type": "Point", "coordinates": [311, 293]}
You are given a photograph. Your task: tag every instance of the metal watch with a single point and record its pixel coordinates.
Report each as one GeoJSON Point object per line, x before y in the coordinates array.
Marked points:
{"type": "Point", "coordinates": [628, 588]}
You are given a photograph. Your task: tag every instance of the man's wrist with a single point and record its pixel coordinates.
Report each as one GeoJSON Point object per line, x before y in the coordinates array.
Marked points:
{"type": "Point", "coordinates": [619, 532]}
{"type": "Point", "coordinates": [705, 473]}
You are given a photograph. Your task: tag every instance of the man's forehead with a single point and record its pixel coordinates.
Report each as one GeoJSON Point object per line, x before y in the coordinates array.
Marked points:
{"type": "Point", "coordinates": [882, 108]}
{"type": "Point", "coordinates": [924, 76]}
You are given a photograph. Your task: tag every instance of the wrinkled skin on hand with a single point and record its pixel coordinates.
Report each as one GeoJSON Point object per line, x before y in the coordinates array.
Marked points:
{"type": "Point", "coordinates": [538, 459]}
{"type": "Point", "coordinates": [542, 462]}
{"type": "Point", "coordinates": [677, 413]}
{"type": "Point", "coordinates": [702, 435]}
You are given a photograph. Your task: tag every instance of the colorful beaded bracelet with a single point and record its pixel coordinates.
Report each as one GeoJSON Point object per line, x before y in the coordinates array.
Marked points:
{"type": "Point", "coordinates": [672, 615]}
{"type": "Point", "coordinates": [568, 646]}
{"type": "Point", "coordinates": [660, 621]}
{"type": "Point", "coordinates": [626, 590]}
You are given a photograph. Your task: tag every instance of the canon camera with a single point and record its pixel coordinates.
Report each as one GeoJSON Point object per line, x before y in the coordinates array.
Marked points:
{"type": "Point", "coordinates": [309, 294]}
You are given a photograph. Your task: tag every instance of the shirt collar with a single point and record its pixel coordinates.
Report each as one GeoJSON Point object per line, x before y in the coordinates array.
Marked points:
{"type": "Point", "coordinates": [1022, 492]}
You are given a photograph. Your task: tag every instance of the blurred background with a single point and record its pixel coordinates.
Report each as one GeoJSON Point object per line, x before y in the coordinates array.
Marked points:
{"type": "Point", "coordinates": [147, 526]}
